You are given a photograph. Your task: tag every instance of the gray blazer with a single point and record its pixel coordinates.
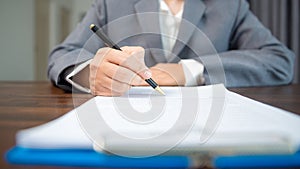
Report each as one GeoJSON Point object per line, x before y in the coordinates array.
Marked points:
{"type": "Point", "coordinates": [235, 48]}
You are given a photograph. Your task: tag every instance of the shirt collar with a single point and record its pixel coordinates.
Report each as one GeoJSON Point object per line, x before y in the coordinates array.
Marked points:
{"type": "Point", "coordinates": [163, 6]}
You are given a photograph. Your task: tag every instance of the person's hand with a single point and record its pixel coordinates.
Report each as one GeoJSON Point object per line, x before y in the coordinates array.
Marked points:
{"type": "Point", "coordinates": [168, 74]}
{"type": "Point", "coordinates": [113, 72]}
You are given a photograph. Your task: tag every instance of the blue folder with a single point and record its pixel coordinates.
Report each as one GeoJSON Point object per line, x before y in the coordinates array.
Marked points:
{"type": "Point", "coordinates": [258, 161]}
{"type": "Point", "coordinates": [90, 158]}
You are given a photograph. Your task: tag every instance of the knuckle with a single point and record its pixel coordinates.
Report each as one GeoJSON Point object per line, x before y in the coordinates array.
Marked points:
{"type": "Point", "coordinates": [140, 52]}
{"type": "Point", "coordinates": [103, 52]}
{"type": "Point", "coordinates": [124, 48]}
{"type": "Point", "coordinates": [101, 90]}
{"type": "Point", "coordinates": [121, 72]}
{"type": "Point", "coordinates": [123, 60]}
{"type": "Point", "coordinates": [140, 49]}
{"type": "Point", "coordinates": [104, 67]}
{"type": "Point", "coordinates": [141, 67]}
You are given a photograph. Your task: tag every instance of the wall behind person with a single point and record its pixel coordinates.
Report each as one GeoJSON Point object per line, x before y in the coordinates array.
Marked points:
{"type": "Point", "coordinates": [17, 40]}
{"type": "Point", "coordinates": [29, 29]}
{"type": "Point", "coordinates": [64, 15]}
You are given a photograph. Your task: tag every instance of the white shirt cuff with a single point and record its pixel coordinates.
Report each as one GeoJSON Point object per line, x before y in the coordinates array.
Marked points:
{"type": "Point", "coordinates": [76, 70]}
{"type": "Point", "coordinates": [193, 72]}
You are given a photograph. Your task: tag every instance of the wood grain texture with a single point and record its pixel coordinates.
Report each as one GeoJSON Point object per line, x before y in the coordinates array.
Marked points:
{"type": "Point", "coordinates": [27, 104]}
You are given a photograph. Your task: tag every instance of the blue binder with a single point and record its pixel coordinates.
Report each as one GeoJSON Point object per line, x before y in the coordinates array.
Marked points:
{"type": "Point", "coordinates": [90, 158]}
{"type": "Point", "coordinates": [258, 161]}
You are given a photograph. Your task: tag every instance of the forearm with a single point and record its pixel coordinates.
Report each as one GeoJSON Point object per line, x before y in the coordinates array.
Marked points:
{"type": "Point", "coordinates": [254, 57]}
{"type": "Point", "coordinates": [78, 47]}
{"type": "Point", "coordinates": [244, 68]}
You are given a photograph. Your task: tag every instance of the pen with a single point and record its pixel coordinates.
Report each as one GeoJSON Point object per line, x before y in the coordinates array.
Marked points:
{"type": "Point", "coordinates": [108, 42]}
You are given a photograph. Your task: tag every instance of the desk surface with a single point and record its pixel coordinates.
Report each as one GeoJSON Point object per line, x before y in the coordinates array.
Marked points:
{"type": "Point", "coordinates": [27, 104]}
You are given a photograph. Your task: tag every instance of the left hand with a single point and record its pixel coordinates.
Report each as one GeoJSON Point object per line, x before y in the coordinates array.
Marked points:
{"type": "Point", "coordinates": [168, 74]}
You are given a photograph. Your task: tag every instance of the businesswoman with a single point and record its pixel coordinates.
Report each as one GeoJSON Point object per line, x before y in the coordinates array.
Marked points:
{"type": "Point", "coordinates": [170, 41]}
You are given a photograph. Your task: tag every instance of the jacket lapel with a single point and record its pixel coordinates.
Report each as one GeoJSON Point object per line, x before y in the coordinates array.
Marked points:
{"type": "Point", "coordinates": [193, 12]}
{"type": "Point", "coordinates": [148, 18]}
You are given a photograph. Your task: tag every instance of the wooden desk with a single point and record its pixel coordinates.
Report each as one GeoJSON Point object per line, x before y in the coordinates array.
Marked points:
{"type": "Point", "coordinates": [27, 104]}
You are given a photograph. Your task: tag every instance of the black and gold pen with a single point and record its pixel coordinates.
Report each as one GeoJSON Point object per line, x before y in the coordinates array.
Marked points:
{"type": "Point", "coordinates": [111, 44]}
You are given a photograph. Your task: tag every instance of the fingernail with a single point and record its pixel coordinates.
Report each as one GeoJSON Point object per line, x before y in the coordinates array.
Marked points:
{"type": "Point", "coordinates": [147, 74]}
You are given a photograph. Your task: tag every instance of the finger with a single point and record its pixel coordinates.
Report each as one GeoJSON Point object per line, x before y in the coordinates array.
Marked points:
{"type": "Point", "coordinates": [142, 83]}
{"type": "Point", "coordinates": [98, 82]}
{"type": "Point", "coordinates": [115, 86]}
{"type": "Point", "coordinates": [109, 87]}
{"type": "Point", "coordinates": [112, 55]}
{"type": "Point", "coordinates": [134, 62]}
{"type": "Point", "coordinates": [105, 92]}
{"type": "Point", "coordinates": [133, 49]}
{"type": "Point", "coordinates": [138, 81]}
{"type": "Point", "coordinates": [121, 74]}
{"type": "Point", "coordinates": [138, 67]}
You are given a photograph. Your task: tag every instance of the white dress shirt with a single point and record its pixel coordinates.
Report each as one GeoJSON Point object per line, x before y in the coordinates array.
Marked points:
{"type": "Point", "coordinates": [169, 26]}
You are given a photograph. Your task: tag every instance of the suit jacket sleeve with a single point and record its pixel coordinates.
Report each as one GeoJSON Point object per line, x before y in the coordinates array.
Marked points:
{"type": "Point", "coordinates": [255, 58]}
{"type": "Point", "coordinates": [77, 48]}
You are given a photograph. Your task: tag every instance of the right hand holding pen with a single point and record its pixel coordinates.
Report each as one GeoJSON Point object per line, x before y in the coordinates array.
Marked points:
{"type": "Point", "coordinates": [113, 72]}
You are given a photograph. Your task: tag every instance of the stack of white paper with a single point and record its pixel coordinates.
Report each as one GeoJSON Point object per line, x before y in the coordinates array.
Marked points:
{"type": "Point", "coordinates": [208, 119]}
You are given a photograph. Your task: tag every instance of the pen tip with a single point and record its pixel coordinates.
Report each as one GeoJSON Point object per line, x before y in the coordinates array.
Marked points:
{"type": "Point", "coordinates": [160, 91]}
{"type": "Point", "coordinates": [92, 25]}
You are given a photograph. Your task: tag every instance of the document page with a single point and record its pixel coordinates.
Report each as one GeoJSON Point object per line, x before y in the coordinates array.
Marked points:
{"type": "Point", "coordinates": [196, 119]}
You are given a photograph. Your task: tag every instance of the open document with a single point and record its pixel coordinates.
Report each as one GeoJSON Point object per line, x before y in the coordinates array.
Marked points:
{"type": "Point", "coordinates": [207, 119]}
